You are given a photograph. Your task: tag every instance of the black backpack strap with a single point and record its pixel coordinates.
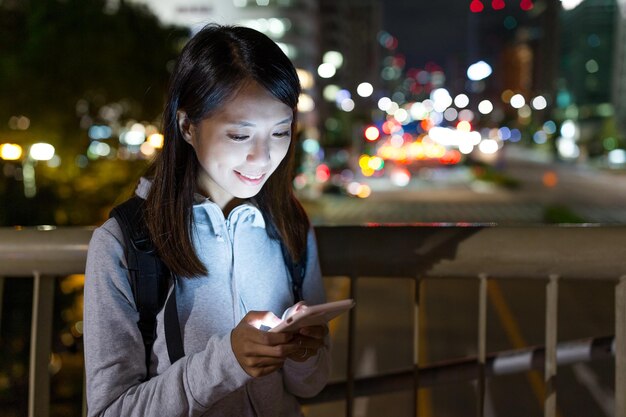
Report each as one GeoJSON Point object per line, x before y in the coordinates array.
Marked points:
{"type": "Point", "coordinates": [296, 270]}
{"type": "Point", "coordinates": [173, 335]}
{"type": "Point", "coordinates": [148, 276]}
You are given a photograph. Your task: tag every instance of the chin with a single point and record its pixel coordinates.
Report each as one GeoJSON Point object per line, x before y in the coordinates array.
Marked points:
{"type": "Point", "coordinates": [248, 193]}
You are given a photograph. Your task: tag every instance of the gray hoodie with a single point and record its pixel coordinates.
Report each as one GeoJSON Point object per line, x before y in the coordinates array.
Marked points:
{"type": "Point", "coordinates": [246, 272]}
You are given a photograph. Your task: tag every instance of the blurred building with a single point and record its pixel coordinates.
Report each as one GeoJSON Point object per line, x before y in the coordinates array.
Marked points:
{"type": "Point", "coordinates": [586, 79]}
{"type": "Point", "coordinates": [349, 30]}
{"type": "Point", "coordinates": [292, 24]}
{"type": "Point", "coordinates": [587, 51]}
{"type": "Point", "coordinates": [619, 66]}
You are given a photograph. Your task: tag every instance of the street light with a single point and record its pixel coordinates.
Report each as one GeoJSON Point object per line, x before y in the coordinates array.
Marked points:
{"type": "Point", "coordinates": [37, 152]}
{"type": "Point", "coordinates": [10, 151]}
{"type": "Point", "coordinates": [479, 71]}
{"type": "Point", "coordinates": [41, 151]}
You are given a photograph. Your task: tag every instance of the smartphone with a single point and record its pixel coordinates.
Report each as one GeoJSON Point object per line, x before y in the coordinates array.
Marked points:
{"type": "Point", "coordinates": [313, 315]}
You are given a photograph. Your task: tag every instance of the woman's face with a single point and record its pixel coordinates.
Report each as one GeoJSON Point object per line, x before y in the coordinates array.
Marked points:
{"type": "Point", "coordinates": [241, 145]}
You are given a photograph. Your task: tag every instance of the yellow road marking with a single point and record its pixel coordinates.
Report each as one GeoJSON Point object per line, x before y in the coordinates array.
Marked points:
{"type": "Point", "coordinates": [340, 291]}
{"type": "Point", "coordinates": [424, 395]}
{"type": "Point", "coordinates": [514, 334]}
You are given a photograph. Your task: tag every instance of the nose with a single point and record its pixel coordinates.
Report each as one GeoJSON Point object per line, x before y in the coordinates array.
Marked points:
{"type": "Point", "coordinates": [259, 152]}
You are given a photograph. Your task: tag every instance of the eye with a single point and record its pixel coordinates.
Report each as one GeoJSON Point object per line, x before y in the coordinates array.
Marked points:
{"type": "Point", "coordinates": [238, 138]}
{"type": "Point", "coordinates": [284, 134]}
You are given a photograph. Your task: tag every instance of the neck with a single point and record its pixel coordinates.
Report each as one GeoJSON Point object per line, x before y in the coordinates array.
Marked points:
{"type": "Point", "coordinates": [228, 207]}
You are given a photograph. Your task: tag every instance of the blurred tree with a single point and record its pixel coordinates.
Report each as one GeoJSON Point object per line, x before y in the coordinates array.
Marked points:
{"type": "Point", "coordinates": [58, 52]}
{"type": "Point", "coordinates": [69, 64]}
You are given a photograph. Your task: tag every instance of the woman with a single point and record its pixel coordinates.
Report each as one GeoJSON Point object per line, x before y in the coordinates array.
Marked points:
{"type": "Point", "coordinates": [219, 192]}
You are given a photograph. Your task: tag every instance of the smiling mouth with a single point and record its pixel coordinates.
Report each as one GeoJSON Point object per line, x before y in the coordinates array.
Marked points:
{"type": "Point", "coordinates": [250, 179]}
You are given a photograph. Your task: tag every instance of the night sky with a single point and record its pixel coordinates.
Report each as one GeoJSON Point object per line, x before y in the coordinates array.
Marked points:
{"type": "Point", "coordinates": [427, 30]}
{"type": "Point", "coordinates": [438, 30]}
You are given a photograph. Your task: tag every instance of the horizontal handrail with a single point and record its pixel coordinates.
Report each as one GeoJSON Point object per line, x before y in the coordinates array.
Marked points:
{"type": "Point", "coordinates": [431, 251]}
{"type": "Point", "coordinates": [46, 250]}
{"type": "Point", "coordinates": [466, 369]}
{"type": "Point", "coordinates": [467, 251]}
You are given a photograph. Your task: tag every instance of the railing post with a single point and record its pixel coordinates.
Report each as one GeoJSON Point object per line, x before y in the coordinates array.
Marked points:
{"type": "Point", "coordinates": [40, 342]}
{"type": "Point", "coordinates": [351, 349]}
{"type": "Point", "coordinates": [84, 407]}
{"type": "Point", "coordinates": [552, 291]}
{"type": "Point", "coordinates": [482, 342]}
{"type": "Point", "coordinates": [416, 342]}
{"type": "Point", "coordinates": [1, 297]}
{"type": "Point", "coordinates": [620, 348]}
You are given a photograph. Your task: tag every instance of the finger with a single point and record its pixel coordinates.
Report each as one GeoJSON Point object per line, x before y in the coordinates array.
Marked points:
{"type": "Point", "coordinates": [317, 332]}
{"type": "Point", "coordinates": [262, 362]}
{"type": "Point", "coordinates": [303, 354]}
{"type": "Point", "coordinates": [256, 336]}
{"type": "Point", "coordinates": [265, 351]}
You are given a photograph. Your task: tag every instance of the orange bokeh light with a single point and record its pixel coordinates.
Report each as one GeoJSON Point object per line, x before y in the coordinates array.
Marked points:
{"type": "Point", "coordinates": [550, 179]}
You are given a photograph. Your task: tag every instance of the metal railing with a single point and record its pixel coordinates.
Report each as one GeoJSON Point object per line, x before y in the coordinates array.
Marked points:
{"type": "Point", "coordinates": [552, 254]}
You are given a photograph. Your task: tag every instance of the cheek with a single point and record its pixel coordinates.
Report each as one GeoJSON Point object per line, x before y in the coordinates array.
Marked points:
{"type": "Point", "coordinates": [279, 151]}
{"type": "Point", "coordinates": [214, 154]}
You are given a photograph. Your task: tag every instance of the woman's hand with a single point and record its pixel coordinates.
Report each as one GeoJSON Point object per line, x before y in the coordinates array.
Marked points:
{"type": "Point", "coordinates": [259, 352]}
{"type": "Point", "coordinates": [308, 339]}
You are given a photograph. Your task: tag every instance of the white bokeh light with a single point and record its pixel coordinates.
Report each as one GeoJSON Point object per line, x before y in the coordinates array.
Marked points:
{"type": "Point", "coordinates": [485, 107]}
{"type": "Point", "coordinates": [567, 148]}
{"type": "Point", "coordinates": [418, 111]}
{"type": "Point", "coordinates": [330, 92]}
{"type": "Point", "coordinates": [518, 101]}
{"type": "Point", "coordinates": [570, 4]}
{"type": "Point", "coordinates": [393, 107]}
{"type": "Point", "coordinates": [539, 103]}
{"type": "Point", "coordinates": [461, 101]}
{"type": "Point", "coordinates": [479, 71]}
{"type": "Point", "coordinates": [305, 103]}
{"type": "Point", "coordinates": [384, 103]}
{"type": "Point", "coordinates": [488, 146]}
{"type": "Point", "coordinates": [326, 70]}
{"type": "Point", "coordinates": [441, 99]}
{"type": "Point", "coordinates": [347, 105]}
{"type": "Point", "coordinates": [569, 129]}
{"type": "Point", "coordinates": [365, 89]}
{"type": "Point", "coordinates": [41, 151]}
{"type": "Point", "coordinates": [333, 58]}
{"type": "Point", "coordinates": [401, 115]}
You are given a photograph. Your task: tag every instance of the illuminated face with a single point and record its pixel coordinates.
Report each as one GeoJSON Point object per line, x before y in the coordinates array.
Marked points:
{"type": "Point", "coordinates": [241, 145]}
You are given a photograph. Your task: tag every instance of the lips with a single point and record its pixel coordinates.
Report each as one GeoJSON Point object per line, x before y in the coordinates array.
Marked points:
{"type": "Point", "coordinates": [249, 178]}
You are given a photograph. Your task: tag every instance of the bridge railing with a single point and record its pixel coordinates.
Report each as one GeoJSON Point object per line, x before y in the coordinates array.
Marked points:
{"type": "Point", "coordinates": [551, 254]}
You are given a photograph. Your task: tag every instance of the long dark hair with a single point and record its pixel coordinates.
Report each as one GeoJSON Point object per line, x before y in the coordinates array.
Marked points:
{"type": "Point", "coordinates": [212, 67]}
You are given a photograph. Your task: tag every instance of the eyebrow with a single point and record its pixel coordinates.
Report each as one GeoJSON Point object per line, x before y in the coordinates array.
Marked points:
{"type": "Point", "coordinates": [244, 123]}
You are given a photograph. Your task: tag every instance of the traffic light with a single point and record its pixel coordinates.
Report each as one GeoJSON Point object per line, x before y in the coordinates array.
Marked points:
{"type": "Point", "coordinates": [477, 6]}
{"type": "Point", "coordinates": [526, 5]}
{"type": "Point", "coordinates": [497, 4]}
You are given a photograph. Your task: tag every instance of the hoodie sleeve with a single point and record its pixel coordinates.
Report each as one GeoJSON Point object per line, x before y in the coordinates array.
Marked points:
{"type": "Point", "coordinates": [308, 378]}
{"type": "Point", "coordinates": [114, 350]}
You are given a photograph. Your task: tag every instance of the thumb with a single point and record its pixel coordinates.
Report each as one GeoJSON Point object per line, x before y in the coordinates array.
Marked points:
{"type": "Point", "coordinates": [261, 318]}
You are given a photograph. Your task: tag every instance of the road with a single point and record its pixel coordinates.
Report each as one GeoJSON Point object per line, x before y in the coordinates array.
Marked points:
{"type": "Point", "coordinates": [516, 308]}
{"type": "Point", "coordinates": [452, 195]}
